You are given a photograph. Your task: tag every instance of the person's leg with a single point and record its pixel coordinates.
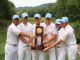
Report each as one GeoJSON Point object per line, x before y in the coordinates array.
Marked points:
{"type": "Point", "coordinates": [15, 54]}
{"type": "Point", "coordinates": [10, 52]}
{"type": "Point", "coordinates": [21, 53]}
{"type": "Point", "coordinates": [27, 53]}
{"type": "Point", "coordinates": [34, 54]}
{"type": "Point", "coordinates": [61, 53]}
{"type": "Point", "coordinates": [52, 54]}
{"type": "Point", "coordinates": [41, 55]}
{"type": "Point", "coordinates": [7, 52]}
{"type": "Point", "coordinates": [72, 50]}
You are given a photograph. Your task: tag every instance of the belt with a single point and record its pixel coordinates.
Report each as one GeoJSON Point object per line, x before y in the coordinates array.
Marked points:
{"type": "Point", "coordinates": [72, 44]}
{"type": "Point", "coordinates": [13, 44]}
{"type": "Point", "coordinates": [60, 46]}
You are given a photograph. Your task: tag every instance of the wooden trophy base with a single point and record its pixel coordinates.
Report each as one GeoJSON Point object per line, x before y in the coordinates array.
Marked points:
{"type": "Point", "coordinates": [38, 47]}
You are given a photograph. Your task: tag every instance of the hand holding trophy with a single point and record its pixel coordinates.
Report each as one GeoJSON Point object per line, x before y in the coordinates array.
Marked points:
{"type": "Point", "coordinates": [38, 41]}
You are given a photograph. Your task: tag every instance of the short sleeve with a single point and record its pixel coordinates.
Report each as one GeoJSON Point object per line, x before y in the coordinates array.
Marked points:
{"type": "Point", "coordinates": [15, 30]}
{"type": "Point", "coordinates": [64, 36]}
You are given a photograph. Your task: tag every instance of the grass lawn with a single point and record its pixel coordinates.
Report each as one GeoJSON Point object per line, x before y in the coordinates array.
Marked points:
{"type": "Point", "coordinates": [2, 43]}
{"type": "Point", "coordinates": [3, 39]}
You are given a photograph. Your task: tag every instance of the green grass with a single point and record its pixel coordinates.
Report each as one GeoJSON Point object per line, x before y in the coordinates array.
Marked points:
{"type": "Point", "coordinates": [2, 43]}
{"type": "Point", "coordinates": [3, 39]}
{"type": "Point", "coordinates": [31, 20]}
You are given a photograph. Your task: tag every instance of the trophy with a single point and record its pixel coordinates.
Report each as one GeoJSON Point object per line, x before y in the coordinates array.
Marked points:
{"type": "Point", "coordinates": [39, 39]}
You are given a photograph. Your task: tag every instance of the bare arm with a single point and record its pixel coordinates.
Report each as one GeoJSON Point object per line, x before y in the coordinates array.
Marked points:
{"type": "Point", "coordinates": [50, 39]}
{"type": "Point", "coordinates": [53, 45]}
{"type": "Point", "coordinates": [24, 34]}
{"type": "Point", "coordinates": [53, 37]}
{"type": "Point", "coordinates": [23, 39]}
{"type": "Point", "coordinates": [27, 42]}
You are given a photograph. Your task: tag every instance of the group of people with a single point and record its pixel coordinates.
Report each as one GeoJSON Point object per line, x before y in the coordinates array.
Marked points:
{"type": "Point", "coordinates": [58, 39]}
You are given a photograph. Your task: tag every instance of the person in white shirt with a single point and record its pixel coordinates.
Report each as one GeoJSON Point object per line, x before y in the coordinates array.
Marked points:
{"type": "Point", "coordinates": [13, 33]}
{"type": "Point", "coordinates": [24, 51]}
{"type": "Point", "coordinates": [67, 36]}
{"type": "Point", "coordinates": [61, 48]}
{"type": "Point", "coordinates": [37, 54]}
{"type": "Point", "coordinates": [58, 24]}
{"type": "Point", "coordinates": [51, 34]}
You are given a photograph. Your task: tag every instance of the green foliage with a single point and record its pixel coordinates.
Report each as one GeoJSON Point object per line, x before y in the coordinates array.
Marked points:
{"type": "Point", "coordinates": [76, 27]}
{"type": "Point", "coordinates": [43, 9]}
{"type": "Point", "coordinates": [70, 8]}
{"type": "Point", "coordinates": [2, 43]}
{"type": "Point", "coordinates": [7, 9]}
{"type": "Point", "coordinates": [3, 23]}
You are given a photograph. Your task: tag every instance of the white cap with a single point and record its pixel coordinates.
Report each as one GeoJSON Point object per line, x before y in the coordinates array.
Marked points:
{"type": "Point", "coordinates": [64, 19]}
{"type": "Point", "coordinates": [15, 16]}
{"type": "Point", "coordinates": [24, 15]}
{"type": "Point", "coordinates": [48, 15]}
{"type": "Point", "coordinates": [58, 21]}
{"type": "Point", "coordinates": [37, 15]}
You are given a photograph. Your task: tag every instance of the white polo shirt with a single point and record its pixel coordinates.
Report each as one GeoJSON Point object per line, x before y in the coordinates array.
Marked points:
{"type": "Point", "coordinates": [68, 36]}
{"type": "Point", "coordinates": [12, 35]}
{"type": "Point", "coordinates": [49, 30]}
{"type": "Point", "coordinates": [27, 29]}
{"type": "Point", "coordinates": [60, 33]}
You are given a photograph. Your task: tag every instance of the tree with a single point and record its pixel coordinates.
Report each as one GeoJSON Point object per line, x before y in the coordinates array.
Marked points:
{"type": "Point", "coordinates": [10, 11]}
{"type": "Point", "coordinates": [70, 8]}
{"type": "Point", "coordinates": [7, 9]}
